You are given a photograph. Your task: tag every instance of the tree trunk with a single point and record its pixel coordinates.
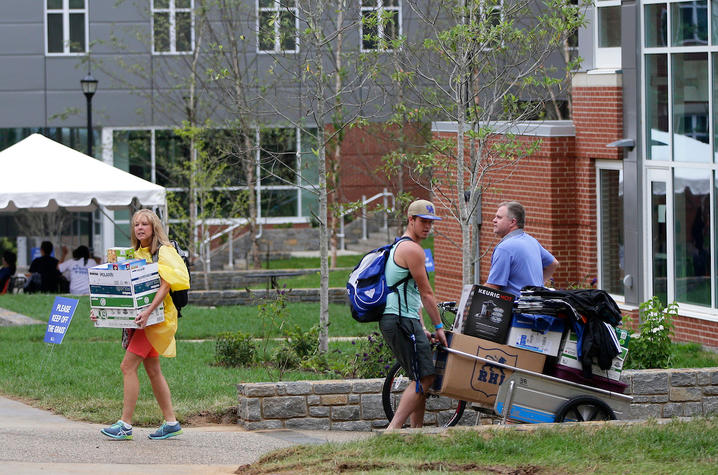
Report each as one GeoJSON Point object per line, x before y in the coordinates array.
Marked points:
{"type": "Point", "coordinates": [336, 162]}
{"type": "Point", "coordinates": [323, 244]}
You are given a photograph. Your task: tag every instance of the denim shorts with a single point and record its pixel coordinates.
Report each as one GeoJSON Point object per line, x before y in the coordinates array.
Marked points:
{"type": "Point", "coordinates": [396, 331]}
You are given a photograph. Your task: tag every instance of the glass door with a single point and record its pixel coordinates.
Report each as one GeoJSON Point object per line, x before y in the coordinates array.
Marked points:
{"type": "Point", "coordinates": [659, 262]}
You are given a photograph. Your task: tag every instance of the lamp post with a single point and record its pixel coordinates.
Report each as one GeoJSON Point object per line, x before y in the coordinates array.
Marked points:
{"type": "Point", "coordinates": [89, 86]}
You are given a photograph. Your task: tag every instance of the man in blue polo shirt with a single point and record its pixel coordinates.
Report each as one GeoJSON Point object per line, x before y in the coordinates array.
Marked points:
{"type": "Point", "coordinates": [518, 260]}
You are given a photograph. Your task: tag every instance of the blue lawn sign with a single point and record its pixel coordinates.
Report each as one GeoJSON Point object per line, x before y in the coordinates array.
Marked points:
{"type": "Point", "coordinates": [60, 318]}
{"type": "Point", "coordinates": [428, 260]}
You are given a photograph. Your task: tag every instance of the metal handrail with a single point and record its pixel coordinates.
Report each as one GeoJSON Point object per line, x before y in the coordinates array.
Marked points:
{"type": "Point", "coordinates": [207, 250]}
{"type": "Point", "coordinates": [384, 195]}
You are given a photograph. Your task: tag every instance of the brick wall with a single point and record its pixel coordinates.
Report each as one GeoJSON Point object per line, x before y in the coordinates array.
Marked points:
{"type": "Point", "coordinates": [557, 186]}
{"type": "Point", "coordinates": [362, 152]}
{"type": "Point", "coordinates": [557, 190]}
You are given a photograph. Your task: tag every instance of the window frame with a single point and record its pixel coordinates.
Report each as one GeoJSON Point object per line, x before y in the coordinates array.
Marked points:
{"type": "Point", "coordinates": [601, 165]}
{"type": "Point", "coordinates": [380, 9]}
{"type": "Point", "coordinates": [171, 11]}
{"type": "Point", "coordinates": [277, 7]}
{"type": "Point", "coordinates": [665, 171]}
{"type": "Point", "coordinates": [605, 57]}
{"type": "Point", "coordinates": [65, 11]}
{"type": "Point", "coordinates": [108, 134]}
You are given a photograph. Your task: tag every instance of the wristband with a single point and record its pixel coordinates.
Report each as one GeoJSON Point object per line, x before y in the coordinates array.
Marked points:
{"type": "Point", "coordinates": [439, 326]}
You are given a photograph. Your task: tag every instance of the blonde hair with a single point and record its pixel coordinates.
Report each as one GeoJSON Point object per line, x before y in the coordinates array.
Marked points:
{"type": "Point", "coordinates": [159, 236]}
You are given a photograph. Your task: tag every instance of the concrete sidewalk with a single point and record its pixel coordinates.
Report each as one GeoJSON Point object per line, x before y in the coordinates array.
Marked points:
{"type": "Point", "coordinates": [33, 441]}
{"type": "Point", "coordinates": [9, 318]}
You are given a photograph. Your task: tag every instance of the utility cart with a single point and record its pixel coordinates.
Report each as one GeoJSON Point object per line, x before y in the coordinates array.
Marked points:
{"type": "Point", "coordinates": [527, 396]}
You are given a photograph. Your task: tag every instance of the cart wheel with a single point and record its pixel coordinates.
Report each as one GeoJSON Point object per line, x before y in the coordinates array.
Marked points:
{"type": "Point", "coordinates": [390, 400]}
{"type": "Point", "coordinates": [583, 409]}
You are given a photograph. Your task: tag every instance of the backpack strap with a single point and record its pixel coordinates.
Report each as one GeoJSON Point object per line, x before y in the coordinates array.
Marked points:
{"type": "Point", "coordinates": [404, 280]}
{"type": "Point", "coordinates": [156, 255]}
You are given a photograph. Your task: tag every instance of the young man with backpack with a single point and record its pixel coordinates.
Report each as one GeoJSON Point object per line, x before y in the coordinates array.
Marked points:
{"type": "Point", "coordinates": [401, 323]}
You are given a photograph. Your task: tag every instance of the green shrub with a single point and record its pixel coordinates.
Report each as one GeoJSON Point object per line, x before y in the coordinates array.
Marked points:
{"type": "Point", "coordinates": [651, 347]}
{"type": "Point", "coordinates": [285, 358]}
{"type": "Point", "coordinates": [272, 314]}
{"type": "Point", "coordinates": [304, 343]}
{"type": "Point", "coordinates": [7, 245]}
{"type": "Point", "coordinates": [319, 363]}
{"type": "Point", "coordinates": [372, 358]}
{"type": "Point", "coordinates": [234, 349]}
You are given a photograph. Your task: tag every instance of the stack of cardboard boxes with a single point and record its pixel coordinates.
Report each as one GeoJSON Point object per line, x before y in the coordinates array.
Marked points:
{"type": "Point", "coordinates": [485, 326]}
{"type": "Point", "coordinates": [121, 288]}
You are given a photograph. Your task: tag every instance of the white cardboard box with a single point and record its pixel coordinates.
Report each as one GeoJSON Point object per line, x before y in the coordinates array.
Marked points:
{"type": "Point", "coordinates": [521, 335]}
{"type": "Point", "coordinates": [127, 288]}
{"type": "Point", "coordinates": [568, 356]}
{"type": "Point", "coordinates": [125, 317]}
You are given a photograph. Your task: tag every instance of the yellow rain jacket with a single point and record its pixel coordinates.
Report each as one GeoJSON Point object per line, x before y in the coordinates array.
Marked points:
{"type": "Point", "coordinates": [173, 271]}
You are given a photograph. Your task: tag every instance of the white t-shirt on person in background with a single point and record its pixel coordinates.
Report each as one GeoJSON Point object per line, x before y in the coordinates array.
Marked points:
{"type": "Point", "coordinates": [79, 282]}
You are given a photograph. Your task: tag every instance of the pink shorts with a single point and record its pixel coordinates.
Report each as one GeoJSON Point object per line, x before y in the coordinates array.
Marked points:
{"type": "Point", "coordinates": [141, 346]}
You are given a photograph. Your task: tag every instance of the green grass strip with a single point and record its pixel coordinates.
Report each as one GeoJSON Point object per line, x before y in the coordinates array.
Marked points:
{"type": "Point", "coordinates": [650, 448]}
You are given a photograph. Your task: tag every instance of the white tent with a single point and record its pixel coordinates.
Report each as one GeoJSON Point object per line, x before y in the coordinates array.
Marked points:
{"type": "Point", "coordinates": [41, 174]}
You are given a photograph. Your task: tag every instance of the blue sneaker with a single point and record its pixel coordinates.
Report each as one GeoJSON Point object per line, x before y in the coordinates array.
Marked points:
{"type": "Point", "coordinates": [117, 431]}
{"type": "Point", "coordinates": [166, 431]}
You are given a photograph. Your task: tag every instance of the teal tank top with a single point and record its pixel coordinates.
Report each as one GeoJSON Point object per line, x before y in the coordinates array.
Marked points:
{"type": "Point", "coordinates": [409, 306]}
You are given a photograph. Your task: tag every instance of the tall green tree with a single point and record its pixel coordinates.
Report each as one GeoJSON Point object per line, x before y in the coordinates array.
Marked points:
{"type": "Point", "coordinates": [328, 102]}
{"type": "Point", "coordinates": [486, 65]}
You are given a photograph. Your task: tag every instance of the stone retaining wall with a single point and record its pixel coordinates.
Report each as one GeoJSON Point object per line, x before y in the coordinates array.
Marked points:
{"type": "Point", "coordinates": [672, 393]}
{"type": "Point", "coordinates": [353, 405]}
{"type": "Point", "coordinates": [209, 298]}
{"type": "Point", "coordinates": [356, 404]}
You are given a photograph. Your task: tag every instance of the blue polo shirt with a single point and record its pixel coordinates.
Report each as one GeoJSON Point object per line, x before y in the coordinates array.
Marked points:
{"type": "Point", "coordinates": [518, 261]}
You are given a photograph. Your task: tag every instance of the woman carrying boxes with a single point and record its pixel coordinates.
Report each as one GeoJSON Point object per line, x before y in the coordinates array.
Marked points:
{"type": "Point", "coordinates": [147, 343]}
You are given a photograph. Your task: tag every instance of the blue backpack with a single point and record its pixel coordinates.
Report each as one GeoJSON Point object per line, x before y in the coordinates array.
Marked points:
{"type": "Point", "coordinates": [367, 288]}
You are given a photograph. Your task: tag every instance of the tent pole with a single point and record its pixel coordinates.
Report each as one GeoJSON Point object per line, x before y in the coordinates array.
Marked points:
{"type": "Point", "coordinates": [165, 218]}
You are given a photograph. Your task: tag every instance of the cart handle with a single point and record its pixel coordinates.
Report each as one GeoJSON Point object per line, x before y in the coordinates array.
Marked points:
{"type": "Point", "coordinates": [540, 375]}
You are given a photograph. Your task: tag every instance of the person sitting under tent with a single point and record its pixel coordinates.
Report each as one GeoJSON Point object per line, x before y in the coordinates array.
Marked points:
{"type": "Point", "coordinates": [43, 275]}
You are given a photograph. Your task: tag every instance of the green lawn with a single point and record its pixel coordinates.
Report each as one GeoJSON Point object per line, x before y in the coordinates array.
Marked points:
{"type": "Point", "coordinates": [649, 448]}
{"type": "Point", "coordinates": [81, 379]}
{"type": "Point", "coordinates": [337, 278]}
{"type": "Point", "coordinates": [197, 322]}
{"type": "Point", "coordinates": [310, 262]}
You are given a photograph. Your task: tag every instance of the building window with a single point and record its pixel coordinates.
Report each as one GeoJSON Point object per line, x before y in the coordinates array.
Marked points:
{"type": "Point", "coordinates": [277, 26]}
{"type": "Point", "coordinates": [278, 164]}
{"type": "Point", "coordinates": [608, 34]}
{"type": "Point", "coordinates": [172, 26]}
{"type": "Point", "coordinates": [161, 155]}
{"type": "Point", "coordinates": [380, 25]}
{"type": "Point", "coordinates": [609, 178]}
{"type": "Point", "coordinates": [691, 228]}
{"type": "Point", "coordinates": [656, 25]}
{"type": "Point", "coordinates": [66, 26]}
{"type": "Point", "coordinates": [656, 123]}
{"type": "Point", "coordinates": [689, 23]}
{"type": "Point", "coordinates": [690, 107]}
{"type": "Point", "coordinates": [682, 164]}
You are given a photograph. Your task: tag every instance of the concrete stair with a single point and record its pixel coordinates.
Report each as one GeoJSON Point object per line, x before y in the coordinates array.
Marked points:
{"type": "Point", "coordinates": [283, 242]}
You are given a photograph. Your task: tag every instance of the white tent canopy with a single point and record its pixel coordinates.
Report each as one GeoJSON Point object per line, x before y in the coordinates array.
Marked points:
{"type": "Point", "coordinates": [41, 174]}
